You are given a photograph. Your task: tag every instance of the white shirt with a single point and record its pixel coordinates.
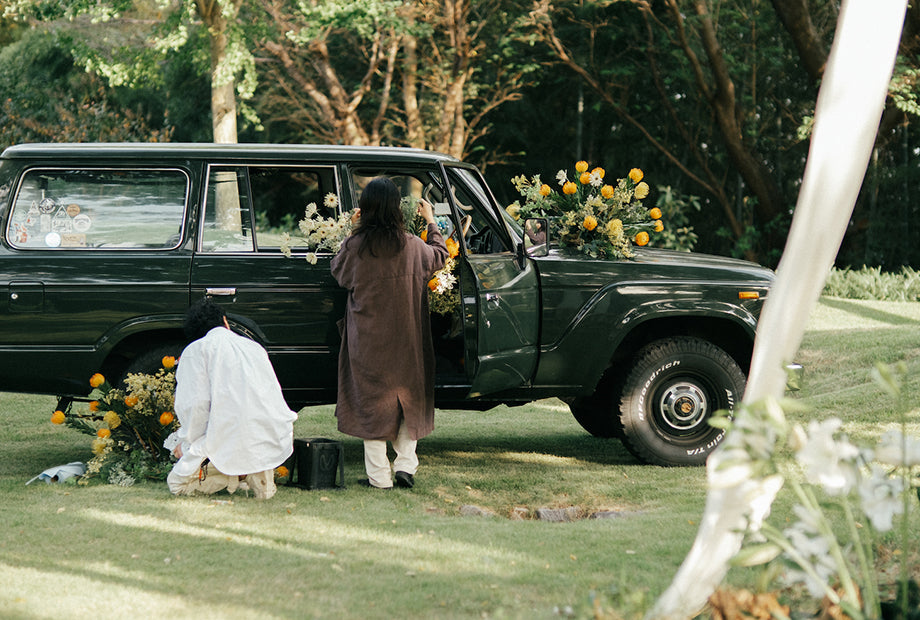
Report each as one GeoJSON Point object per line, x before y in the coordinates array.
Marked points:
{"type": "Point", "coordinates": [230, 407]}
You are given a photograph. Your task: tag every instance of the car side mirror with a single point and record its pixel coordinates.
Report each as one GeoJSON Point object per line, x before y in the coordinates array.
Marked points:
{"type": "Point", "coordinates": [535, 242]}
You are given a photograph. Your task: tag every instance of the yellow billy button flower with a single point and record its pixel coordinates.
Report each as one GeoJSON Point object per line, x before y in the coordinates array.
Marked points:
{"type": "Point", "coordinates": [641, 238]}
{"type": "Point", "coordinates": [168, 362]}
{"type": "Point", "coordinates": [453, 248]}
{"type": "Point", "coordinates": [424, 235]}
{"type": "Point", "coordinates": [607, 192]}
{"type": "Point", "coordinates": [58, 417]}
{"type": "Point", "coordinates": [655, 213]}
{"type": "Point", "coordinates": [96, 380]}
{"type": "Point", "coordinates": [166, 418]}
{"type": "Point", "coordinates": [94, 406]}
{"type": "Point", "coordinates": [281, 472]}
{"type": "Point", "coordinates": [590, 222]}
{"type": "Point", "coordinates": [102, 433]}
{"type": "Point", "coordinates": [641, 190]}
{"type": "Point", "coordinates": [569, 188]}
{"type": "Point", "coordinates": [659, 225]}
{"type": "Point", "coordinates": [585, 178]}
{"type": "Point", "coordinates": [131, 400]}
{"type": "Point", "coordinates": [581, 166]}
{"type": "Point", "coordinates": [545, 190]}
{"type": "Point", "coordinates": [99, 445]}
{"type": "Point", "coordinates": [514, 210]}
{"type": "Point", "coordinates": [111, 419]}
{"type": "Point", "coordinates": [635, 175]}
{"type": "Point", "coordinates": [433, 284]}
{"type": "Point", "coordinates": [598, 172]}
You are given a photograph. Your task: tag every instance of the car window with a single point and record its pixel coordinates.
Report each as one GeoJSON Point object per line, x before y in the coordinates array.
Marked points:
{"type": "Point", "coordinates": [250, 208]}
{"type": "Point", "coordinates": [412, 183]}
{"type": "Point", "coordinates": [484, 232]}
{"type": "Point", "coordinates": [98, 208]}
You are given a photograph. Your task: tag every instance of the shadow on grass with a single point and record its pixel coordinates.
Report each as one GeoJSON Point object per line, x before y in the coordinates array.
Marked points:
{"type": "Point", "coordinates": [866, 312]}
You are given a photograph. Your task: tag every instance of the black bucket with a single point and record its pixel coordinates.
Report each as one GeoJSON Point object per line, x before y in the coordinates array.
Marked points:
{"type": "Point", "coordinates": [318, 464]}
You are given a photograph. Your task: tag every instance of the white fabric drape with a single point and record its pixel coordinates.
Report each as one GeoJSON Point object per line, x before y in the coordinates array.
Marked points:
{"type": "Point", "coordinates": [850, 103]}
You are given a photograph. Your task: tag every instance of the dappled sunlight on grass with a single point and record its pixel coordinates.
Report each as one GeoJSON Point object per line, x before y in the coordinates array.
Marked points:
{"type": "Point", "coordinates": [534, 458]}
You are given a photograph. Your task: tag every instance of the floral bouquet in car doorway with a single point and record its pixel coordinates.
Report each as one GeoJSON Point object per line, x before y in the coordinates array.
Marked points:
{"type": "Point", "coordinates": [588, 215]}
{"type": "Point", "coordinates": [128, 426]}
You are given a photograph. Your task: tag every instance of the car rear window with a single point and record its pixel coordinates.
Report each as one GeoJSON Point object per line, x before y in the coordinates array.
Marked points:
{"type": "Point", "coordinates": [99, 208]}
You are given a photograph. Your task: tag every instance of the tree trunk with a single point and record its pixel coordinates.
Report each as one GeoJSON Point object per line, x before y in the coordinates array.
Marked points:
{"type": "Point", "coordinates": [223, 84]}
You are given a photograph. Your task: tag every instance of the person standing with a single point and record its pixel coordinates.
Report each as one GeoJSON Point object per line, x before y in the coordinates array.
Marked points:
{"type": "Point", "coordinates": [235, 426]}
{"type": "Point", "coordinates": [386, 361]}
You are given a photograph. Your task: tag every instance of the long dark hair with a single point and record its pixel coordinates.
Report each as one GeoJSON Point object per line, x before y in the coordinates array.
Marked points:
{"type": "Point", "coordinates": [381, 227]}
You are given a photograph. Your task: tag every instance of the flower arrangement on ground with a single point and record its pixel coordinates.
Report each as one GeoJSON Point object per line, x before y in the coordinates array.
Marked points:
{"type": "Point", "coordinates": [128, 426]}
{"type": "Point", "coordinates": [852, 502]}
{"type": "Point", "coordinates": [589, 216]}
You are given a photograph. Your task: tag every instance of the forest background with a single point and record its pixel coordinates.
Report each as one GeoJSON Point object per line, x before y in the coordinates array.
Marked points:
{"type": "Point", "coordinates": [712, 99]}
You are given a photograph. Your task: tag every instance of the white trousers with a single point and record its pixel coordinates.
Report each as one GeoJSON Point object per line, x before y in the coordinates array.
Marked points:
{"type": "Point", "coordinates": [377, 463]}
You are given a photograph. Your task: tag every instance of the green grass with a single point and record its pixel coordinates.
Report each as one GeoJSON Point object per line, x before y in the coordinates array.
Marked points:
{"type": "Point", "coordinates": [102, 551]}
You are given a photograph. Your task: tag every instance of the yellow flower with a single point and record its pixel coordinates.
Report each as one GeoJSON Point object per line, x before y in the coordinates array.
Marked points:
{"type": "Point", "coordinates": [569, 188]}
{"type": "Point", "coordinates": [58, 417]}
{"type": "Point", "coordinates": [281, 472]}
{"type": "Point", "coordinates": [641, 190]}
{"type": "Point", "coordinates": [166, 418]}
{"type": "Point", "coordinates": [598, 172]}
{"type": "Point", "coordinates": [545, 190]}
{"type": "Point", "coordinates": [641, 238]}
{"type": "Point", "coordinates": [453, 248]}
{"type": "Point", "coordinates": [635, 175]}
{"type": "Point", "coordinates": [607, 192]}
{"type": "Point", "coordinates": [96, 380]}
{"type": "Point", "coordinates": [168, 362]}
{"type": "Point", "coordinates": [99, 446]}
{"type": "Point", "coordinates": [614, 228]}
{"type": "Point", "coordinates": [581, 166]}
{"type": "Point", "coordinates": [424, 235]}
{"type": "Point", "coordinates": [94, 406]}
{"type": "Point", "coordinates": [433, 284]}
{"type": "Point", "coordinates": [111, 419]}
{"type": "Point", "coordinates": [585, 178]}
{"type": "Point", "coordinates": [659, 225]}
{"type": "Point", "coordinates": [514, 210]}
{"type": "Point", "coordinates": [655, 213]}
{"type": "Point", "coordinates": [590, 222]}
{"type": "Point", "coordinates": [102, 433]}
{"type": "Point", "coordinates": [130, 400]}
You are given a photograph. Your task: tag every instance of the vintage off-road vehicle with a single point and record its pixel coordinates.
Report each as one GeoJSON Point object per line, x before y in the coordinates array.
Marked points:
{"type": "Point", "coordinates": [105, 245]}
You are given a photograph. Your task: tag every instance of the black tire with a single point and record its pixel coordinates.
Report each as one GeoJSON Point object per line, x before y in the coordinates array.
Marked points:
{"type": "Point", "coordinates": [151, 361]}
{"type": "Point", "coordinates": [673, 389]}
{"type": "Point", "coordinates": [599, 413]}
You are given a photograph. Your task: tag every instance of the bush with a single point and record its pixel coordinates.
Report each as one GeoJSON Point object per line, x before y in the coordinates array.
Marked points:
{"type": "Point", "coordinates": [873, 284]}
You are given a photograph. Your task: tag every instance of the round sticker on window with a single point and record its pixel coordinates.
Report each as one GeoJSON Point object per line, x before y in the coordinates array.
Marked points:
{"type": "Point", "coordinates": [73, 210]}
{"type": "Point", "coordinates": [53, 240]}
{"type": "Point", "coordinates": [81, 222]}
{"type": "Point", "coordinates": [47, 205]}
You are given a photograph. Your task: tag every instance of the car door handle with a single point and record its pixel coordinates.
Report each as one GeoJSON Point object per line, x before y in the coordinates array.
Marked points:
{"type": "Point", "coordinates": [220, 291]}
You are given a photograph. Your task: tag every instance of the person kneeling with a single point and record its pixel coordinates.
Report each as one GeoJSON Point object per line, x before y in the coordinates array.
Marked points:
{"type": "Point", "coordinates": [235, 426]}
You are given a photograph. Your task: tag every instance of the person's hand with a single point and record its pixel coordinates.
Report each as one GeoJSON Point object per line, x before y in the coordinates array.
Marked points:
{"type": "Point", "coordinates": [355, 216]}
{"type": "Point", "coordinates": [177, 452]}
{"type": "Point", "coordinates": [426, 210]}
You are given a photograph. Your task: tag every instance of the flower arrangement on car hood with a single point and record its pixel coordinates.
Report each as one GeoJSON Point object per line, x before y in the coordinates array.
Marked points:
{"type": "Point", "coordinates": [128, 426]}
{"type": "Point", "coordinates": [589, 216]}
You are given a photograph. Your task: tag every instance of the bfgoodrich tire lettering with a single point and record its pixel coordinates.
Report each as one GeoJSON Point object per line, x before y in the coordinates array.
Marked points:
{"type": "Point", "coordinates": [669, 396]}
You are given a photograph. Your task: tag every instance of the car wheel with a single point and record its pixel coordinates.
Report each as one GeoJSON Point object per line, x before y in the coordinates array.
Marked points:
{"type": "Point", "coordinates": [673, 389]}
{"type": "Point", "coordinates": [599, 413]}
{"type": "Point", "coordinates": [150, 361]}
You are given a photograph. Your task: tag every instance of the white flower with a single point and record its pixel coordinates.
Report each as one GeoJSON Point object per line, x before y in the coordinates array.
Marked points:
{"type": "Point", "coordinates": [881, 498]}
{"type": "Point", "coordinates": [311, 258]}
{"type": "Point", "coordinates": [596, 178]}
{"type": "Point", "coordinates": [331, 201]}
{"type": "Point", "coordinates": [830, 462]}
{"type": "Point", "coordinates": [813, 549]}
{"type": "Point", "coordinates": [562, 177]}
{"type": "Point", "coordinates": [896, 449]}
{"type": "Point", "coordinates": [446, 281]}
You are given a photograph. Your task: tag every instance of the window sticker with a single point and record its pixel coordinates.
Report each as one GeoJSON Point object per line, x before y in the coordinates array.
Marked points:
{"type": "Point", "coordinates": [53, 240]}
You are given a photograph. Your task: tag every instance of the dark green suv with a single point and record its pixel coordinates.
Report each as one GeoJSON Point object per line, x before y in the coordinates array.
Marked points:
{"type": "Point", "coordinates": [105, 245]}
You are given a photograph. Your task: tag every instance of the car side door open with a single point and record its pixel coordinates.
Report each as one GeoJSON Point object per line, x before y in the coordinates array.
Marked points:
{"type": "Point", "coordinates": [499, 291]}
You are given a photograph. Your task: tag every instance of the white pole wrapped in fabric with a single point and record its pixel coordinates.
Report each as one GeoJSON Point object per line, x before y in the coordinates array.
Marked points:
{"type": "Point", "coordinates": [847, 114]}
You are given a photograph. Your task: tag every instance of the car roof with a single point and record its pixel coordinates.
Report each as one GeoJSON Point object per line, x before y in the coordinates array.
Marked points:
{"type": "Point", "coordinates": [202, 150]}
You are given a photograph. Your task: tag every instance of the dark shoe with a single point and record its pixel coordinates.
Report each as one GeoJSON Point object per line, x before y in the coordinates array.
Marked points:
{"type": "Point", "coordinates": [364, 482]}
{"type": "Point", "coordinates": [405, 480]}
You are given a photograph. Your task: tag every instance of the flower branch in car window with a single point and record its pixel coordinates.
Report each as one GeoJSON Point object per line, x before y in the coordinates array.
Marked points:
{"type": "Point", "coordinates": [320, 234]}
{"type": "Point", "coordinates": [589, 215]}
{"type": "Point", "coordinates": [443, 296]}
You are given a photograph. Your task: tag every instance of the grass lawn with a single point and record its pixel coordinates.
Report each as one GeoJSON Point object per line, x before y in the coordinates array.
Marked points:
{"type": "Point", "coordinates": [102, 551]}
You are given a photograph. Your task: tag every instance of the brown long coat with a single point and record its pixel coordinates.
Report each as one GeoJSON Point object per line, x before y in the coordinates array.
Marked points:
{"type": "Point", "coordinates": [386, 363]}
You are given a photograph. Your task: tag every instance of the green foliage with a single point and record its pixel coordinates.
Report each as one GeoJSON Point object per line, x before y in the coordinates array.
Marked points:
{"type": "Point", "coordinates": [679, 212]}
{"type": "Point", "coordinates": [873, 283]}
